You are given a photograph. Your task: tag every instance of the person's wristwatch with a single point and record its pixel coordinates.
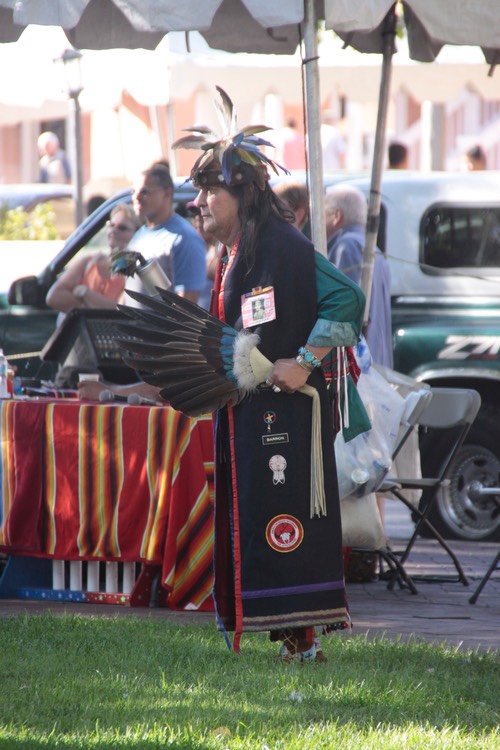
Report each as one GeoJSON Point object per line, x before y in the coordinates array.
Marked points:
{"type": "Point", "coordinates": [80, 291]}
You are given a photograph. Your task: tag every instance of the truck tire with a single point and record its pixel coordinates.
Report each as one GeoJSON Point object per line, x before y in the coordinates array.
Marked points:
{"type": "Point", "coordinates": [457, 515]}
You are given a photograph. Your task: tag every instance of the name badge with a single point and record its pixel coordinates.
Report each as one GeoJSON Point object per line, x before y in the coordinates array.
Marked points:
{"type": "Point", "coordinates": [258, 307]}
{"type": "Point", "coordinates": [273, 438]}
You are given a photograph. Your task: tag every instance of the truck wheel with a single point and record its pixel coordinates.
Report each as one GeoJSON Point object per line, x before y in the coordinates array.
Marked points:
{"type": "Point", "coordinates": [458, 514]}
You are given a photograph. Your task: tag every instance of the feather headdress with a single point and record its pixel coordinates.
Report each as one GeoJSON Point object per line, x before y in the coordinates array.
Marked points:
{"type": "Point", "coordinates": [231, 156]}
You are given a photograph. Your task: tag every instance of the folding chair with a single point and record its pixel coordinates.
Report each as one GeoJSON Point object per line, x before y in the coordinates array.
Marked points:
{"type": "Point", "coordinates": [476, 488]}
{"type": "Point", "coordinates": [448, 416]}
{"type": "Point", "coordinates": [495, 565]}
{"type": "Point", "coordinates": [361, 520]}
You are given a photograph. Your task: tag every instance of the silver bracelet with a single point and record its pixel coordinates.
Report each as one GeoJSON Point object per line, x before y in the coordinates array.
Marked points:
{"type": "Point", "coordinates": [302, 362]}
{"type": "Point", "coordinates": [309, 357]}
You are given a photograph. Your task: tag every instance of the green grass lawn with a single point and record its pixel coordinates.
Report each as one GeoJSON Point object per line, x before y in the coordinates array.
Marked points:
{"type": "Point", "coordinates": [92, 682]}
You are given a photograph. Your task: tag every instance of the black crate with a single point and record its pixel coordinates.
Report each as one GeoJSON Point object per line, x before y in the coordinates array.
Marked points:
{"type": "Point", "coordinates": [85, 338]}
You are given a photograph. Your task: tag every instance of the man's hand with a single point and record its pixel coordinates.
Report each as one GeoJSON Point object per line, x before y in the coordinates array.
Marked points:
{"type": "Point", "coordinates": [288, 375]}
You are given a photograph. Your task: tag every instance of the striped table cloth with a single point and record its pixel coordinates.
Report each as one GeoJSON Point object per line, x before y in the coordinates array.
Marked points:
{"type": "Point", "coordinates": [81, 481]}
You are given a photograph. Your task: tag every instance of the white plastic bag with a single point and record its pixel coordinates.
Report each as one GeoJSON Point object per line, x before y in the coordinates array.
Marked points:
{"type": "Point", "coordinates": [364, 461]}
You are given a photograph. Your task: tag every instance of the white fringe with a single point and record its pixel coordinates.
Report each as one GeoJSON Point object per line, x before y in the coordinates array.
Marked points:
{"type": "Point", "coordinates": [318, 498]}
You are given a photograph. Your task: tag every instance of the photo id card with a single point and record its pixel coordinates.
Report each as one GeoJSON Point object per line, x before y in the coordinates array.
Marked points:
{"type": "Point", "coordinates": [258, 307]}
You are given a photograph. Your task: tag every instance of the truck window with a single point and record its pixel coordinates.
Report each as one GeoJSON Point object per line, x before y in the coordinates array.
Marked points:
{"type": "Point", "coordinates": [461, 236]}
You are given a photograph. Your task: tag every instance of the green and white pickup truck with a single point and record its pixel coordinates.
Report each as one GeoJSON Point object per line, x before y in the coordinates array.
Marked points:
{"type": "Point", "coordinates": [441, 235]}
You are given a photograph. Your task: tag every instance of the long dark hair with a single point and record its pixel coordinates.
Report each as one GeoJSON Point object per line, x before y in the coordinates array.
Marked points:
{"type": "Point", "coordinates": [255, 207]}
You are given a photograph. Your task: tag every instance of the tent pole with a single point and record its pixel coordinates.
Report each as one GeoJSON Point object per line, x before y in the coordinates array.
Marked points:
{"type": "Point", "coordinates": [372, 224]}
{"type": "Point", "coordinates": [313, 139]}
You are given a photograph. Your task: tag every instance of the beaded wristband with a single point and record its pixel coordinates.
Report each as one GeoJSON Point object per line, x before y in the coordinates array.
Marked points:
{"type": "Point", "coordinates": [309, 357]}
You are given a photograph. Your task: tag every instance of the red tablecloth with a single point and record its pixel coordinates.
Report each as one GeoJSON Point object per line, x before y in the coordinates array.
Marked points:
{"type": "Point", "coordinates": [110, 482]}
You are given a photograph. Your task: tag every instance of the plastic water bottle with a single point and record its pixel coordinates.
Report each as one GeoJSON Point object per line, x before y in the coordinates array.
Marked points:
{"type": "Point", "coordinates": [4, 390]}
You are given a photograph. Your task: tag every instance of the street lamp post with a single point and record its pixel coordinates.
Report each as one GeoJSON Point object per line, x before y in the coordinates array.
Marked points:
{"type": "Point", "coordinates": [70, 61]}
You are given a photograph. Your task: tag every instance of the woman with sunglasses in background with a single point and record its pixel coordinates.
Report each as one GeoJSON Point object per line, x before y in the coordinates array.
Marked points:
{"type": "Point", "coordinates": [88, 282]}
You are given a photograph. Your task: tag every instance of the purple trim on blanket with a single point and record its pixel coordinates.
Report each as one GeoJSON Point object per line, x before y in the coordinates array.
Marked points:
{"type": "Point", "coordinates": [291, 590]}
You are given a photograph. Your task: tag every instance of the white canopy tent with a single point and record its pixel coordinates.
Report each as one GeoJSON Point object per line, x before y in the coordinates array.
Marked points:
{"type": "Point", "coordinates": [265, 27]}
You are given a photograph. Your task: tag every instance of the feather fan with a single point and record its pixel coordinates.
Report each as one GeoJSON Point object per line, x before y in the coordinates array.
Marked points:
{"type": "Point", "coordinates": [198, 361]}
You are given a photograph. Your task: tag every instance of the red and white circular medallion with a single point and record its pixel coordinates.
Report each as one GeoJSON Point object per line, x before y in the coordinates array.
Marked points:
{"type": "Point", "coordinates": [284, 533]}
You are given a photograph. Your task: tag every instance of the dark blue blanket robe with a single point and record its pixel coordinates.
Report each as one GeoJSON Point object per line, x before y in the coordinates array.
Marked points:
{"type": "Point", "coordinates": [275, 567]}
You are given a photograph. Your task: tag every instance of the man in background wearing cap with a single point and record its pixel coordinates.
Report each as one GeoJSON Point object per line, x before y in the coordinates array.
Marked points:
{"type": "Point", "coordinates": [180, 250]}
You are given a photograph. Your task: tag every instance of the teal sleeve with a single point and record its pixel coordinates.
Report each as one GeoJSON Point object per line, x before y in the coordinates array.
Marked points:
{"type": "Point", "coordinates": [341, 305]}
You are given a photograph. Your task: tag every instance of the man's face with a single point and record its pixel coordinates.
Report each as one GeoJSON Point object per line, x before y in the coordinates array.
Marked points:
{"type": "Point", "coordinates": [333, 221]}
{"type": "Point", "coordinates": [219, 211]}
{"type": "Point", "coordinates": [151, 201]}
{"type": "Point", "coordinates": [51, 148]}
